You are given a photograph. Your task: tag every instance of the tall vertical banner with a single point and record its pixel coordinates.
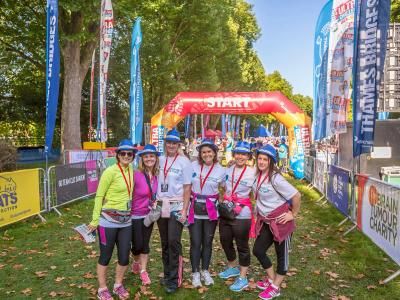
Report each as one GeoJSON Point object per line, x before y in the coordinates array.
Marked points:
{"type": "Point", "coordinates": [379, 214]}
{"type": "Point", "coordinates": [370, 49]}
{"type": "Point", "coordinates": [228, 123]}
{"type": "Point", "coordinates": [136, 90]}
{"type": "Point", "coordinates": [223, 125]}
{"type": "Point", "coordinates": [187, 126]}
{"type": "Point", "coordinates": [52, 70]}
{"type": "Point", "coordinates": [340, 65]}
{"type": "Point", "coordinates": [238, 127]}
{"type": "Point", "coordinates": [106, 31]}
{"type": "Point", "coordinates": [321, 46]}
{"type": "Point", "coordinates": [203, 131]}
{"type": "Point", "coordinates": [90, 133]}
{"type": "Point", "coordinates": [233, 126]}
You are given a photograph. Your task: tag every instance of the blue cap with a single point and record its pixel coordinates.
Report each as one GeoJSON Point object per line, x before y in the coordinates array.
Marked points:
{"type": "Point", "coordinates": [149, 149]}
{"type": "Point", "coordinates": [127, 145]}
{"type": "Point", "coordinates": [173, 136]}
{"type": "Point", "coordinates": [268, 150]}
{"type": "Point", "coordinates": [209, 143]}
{"type": "Point", "coordinates": [242, 147]}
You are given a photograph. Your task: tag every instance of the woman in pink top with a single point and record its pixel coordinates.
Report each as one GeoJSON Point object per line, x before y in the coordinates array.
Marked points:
{"type": "Point", "coordinates": [143, 198]}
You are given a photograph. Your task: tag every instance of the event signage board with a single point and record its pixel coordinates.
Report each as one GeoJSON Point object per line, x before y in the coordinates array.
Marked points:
{"type": "Point", "coordinates": [319, 175]}
{"type": "Point", "coordinates": [92, 176]}
{"type": "Point", "coordinates": [71, 182]}
{"type": "Point", "coordinates": [371, 37]}
{"type": "Point", "coordinates": [157, 137]}
{"type": "Point", "coordinates": [338, 188]}
{"type": "Point", "coordinates": [75, 156]}
{"type": "Point", "coordinates": [309, 168]}
{"type": "Point", "coordinates": [19, 195]}
{"type": "Point", "coordinates": [378, 214]}
{"type": "Point", "coordinates": [321, 45]}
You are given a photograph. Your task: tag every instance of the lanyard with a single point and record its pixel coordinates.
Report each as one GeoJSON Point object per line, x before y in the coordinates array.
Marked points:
{"type": "Point", "coordinates": [165, 166]}
{"type": "Point", "coordinates": [202, 182]}
{"type": "Point", "coordinates": [128, 186]}
{"type": "Point", "coordinates": [149, 184]}
{"type": "Point", "coordinates": [237, 182]}
{"type": "Point", "coordinates": [258, 186]}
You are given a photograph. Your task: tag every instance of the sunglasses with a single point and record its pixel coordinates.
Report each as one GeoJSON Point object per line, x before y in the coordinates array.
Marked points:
{"type": "Point", "coordinates": [124, 153]}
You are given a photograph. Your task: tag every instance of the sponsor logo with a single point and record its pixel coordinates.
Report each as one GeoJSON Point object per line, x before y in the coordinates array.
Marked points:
{"type": "Point", "coordinates": [8, 194]}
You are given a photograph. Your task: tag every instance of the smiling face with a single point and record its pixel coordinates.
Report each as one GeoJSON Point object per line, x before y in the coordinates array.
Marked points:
{"type": "Point", "coordinates": [240, 159]}
{"type": "Point", "coordinates": [263, 162]}
{"type": "Point", "coordinates": [125, 157]}
{"type": "Point", "coordinates": [149, 160]}
{"type": "Point", "coordinates": [171, 148]}
{"type": "Point", "coordinates": [207, 155]}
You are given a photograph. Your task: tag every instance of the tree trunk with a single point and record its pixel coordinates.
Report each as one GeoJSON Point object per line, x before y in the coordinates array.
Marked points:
{"type": "Point", "coordinates": [71, 104]}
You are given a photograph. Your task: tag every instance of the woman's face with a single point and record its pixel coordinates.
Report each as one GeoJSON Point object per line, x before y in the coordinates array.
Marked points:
{"type": "Point", "coordinates": [207, 155]}
{"type": "Point", "coordinates": [241, 159]}
{"type": "Point", "coordinates": [149, 160]}
{"type": "Point", "coordinates": [126, 157]}
{"type": "Point", "coordinates": [172, 148]}
{"type": "Point", "coordinates": [263, 162]}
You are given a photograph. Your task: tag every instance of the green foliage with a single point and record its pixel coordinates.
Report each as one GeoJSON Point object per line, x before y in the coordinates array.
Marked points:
{"type": "Point", "coordinates": [395, 11]}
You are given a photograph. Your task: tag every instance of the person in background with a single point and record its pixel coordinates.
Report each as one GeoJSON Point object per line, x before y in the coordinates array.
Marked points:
{"type": "Point", "coordinates": [144, 197]}
{"type": "Point", "coordinates": [277, 205]}
{"type": "Point", "coordinates": [111, 218]}
{"type": "Point", "coordinates": [239, 181]}
{"type": "Point", "coordinates": [173, 193]}
{"type": "Point", "coordinates": [208, 176]}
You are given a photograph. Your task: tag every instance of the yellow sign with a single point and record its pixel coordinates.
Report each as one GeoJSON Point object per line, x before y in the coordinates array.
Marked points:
{"type": "Point", "coordinates": [94, 145]}
{"type": "Point", "coordinates": [19, 195]}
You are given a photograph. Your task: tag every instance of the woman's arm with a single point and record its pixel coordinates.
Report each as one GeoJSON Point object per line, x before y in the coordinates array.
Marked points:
{"type": "Point", "coordinates": [291, 214]}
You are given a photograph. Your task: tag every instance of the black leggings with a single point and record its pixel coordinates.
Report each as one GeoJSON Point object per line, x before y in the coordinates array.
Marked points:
{"type": "Point", "coordinates": [140, 237]}
{"type": "Point", "coordinates": [170, 234]}
{"type": "Point", "coordinates": [108, 238]}
{"type": "Point", "coordinates": [261, 245]}
{"type": "Point", "coordinates": [201, 238]}
{"type": "Point", "coordinates": [237, 230]}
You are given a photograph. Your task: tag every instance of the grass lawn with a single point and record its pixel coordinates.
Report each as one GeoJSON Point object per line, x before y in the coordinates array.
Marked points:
{"type": "Point", "coordinates": [46, 260]}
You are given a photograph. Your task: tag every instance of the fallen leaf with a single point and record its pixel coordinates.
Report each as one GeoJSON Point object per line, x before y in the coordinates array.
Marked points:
{"type": "Point", "coordinates": [371, 287]}
{"type": "Point", "coordinates": [41, 274]}
{"type": "Point", "coordinates": [89, 275]}
{"type": "Point", "coordinates": [332, 274]}
{"type": "Point", "coordinates": [18, 266]}
{"type": "Point", "coordinates": [283, 285]}
{"type": "Point", "coordinates": [308, 288]}
{"type": "Point", "coordinates": [59, 279]}
{"type": "Point", "coordinates": [317, 272]}
{"type": "Point", "coordinates": [1, 266]}
{"type": "Point", "coordinates": [53, 267]}
{"type": "Point", "coordinates": [359, 276]}
{"type": "Point", "coordinates": [53, 294]}
{"type": "Point", "coordinates": [26, 291]}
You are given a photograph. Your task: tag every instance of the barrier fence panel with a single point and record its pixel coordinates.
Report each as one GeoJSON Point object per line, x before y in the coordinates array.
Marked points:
{"type": "Point", "coordinates": [20, 195]}
{"type": "Point", "coordinates": [339, 188]}
{"type": "Point", "coordinates": [319, 175]}
{"type": "Point", "coordinates": [378, 214]}
{"type": "Point", "coordinates": [309, 168]}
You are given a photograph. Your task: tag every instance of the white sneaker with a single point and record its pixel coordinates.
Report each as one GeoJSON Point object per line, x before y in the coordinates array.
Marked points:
{"type": "Point", "coordinates": [196, 280]}
{"type": "Point", "coordinates": [205, 275]}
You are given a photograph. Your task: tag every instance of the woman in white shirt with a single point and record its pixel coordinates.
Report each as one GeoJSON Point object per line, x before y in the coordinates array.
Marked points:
{"type": "Point", "coordinates": [173, 193]}
{"type": "Point", "coordinates": [239, 181]}
{"type": "Point", "coordinates": [208, 176]}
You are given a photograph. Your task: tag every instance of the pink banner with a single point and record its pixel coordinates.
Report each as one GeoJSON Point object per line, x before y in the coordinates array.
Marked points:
{"type": "Point", "coordinates": [92, 176]}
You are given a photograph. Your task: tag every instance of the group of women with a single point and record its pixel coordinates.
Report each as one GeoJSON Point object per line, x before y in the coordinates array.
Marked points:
{"type": "Point", "coordinates": [199, 194]}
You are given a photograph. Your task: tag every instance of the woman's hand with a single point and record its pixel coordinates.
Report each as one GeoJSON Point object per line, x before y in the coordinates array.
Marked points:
{"type": "Point", "coordinates": [285, 217]}
{"type": "Point", "coordinates": [91, 228]}
{"type": "Point", "coordinates": [183, 216]}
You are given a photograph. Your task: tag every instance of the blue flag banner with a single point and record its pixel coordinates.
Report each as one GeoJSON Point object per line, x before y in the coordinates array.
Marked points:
{"type": "Point", "coordinates": [321, 47]}
{"type": "Point", "coordinates": [338, 188]}
{"type": "Point", "coordinates": [247, 130]}
{"type": "Point", "coordinates": [223, 125]}
{"type": "Point", "coordinates": [238, 127]}
{"type": "Point", "coordinates": [370, 49]}
{"type": "Point", "coordinates": [136, 91]}
{"type": "Point", "coordinates": [233, 126]}
{"type": "Point", "coordinates": [187, 126]}
{"type": "Point", "coordinates": [228, 125]}
{"type": "Point", "coordinates": [52, 71]}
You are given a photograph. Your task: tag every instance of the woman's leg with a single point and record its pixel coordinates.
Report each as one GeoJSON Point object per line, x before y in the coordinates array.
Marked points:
{"type": "Point", "coordinates": [144, 256]}
{"type": "Point", "coordinates": [209, 228]}
{"type": "Point", "coordinates": [241, 228]}
{"type": "Point", "coordinates": [175, 251]}
{"type": "Point", "coordinates": [226, 239]}
{"type": "Point", "coordinates": [107, 239]}
{"type": "Point", "coordinates": [282, 253]}
{"type": "Point", "coordinates": [162, 224]}
{"type": "Point", "coordinates": [137, 240]}
{"type": "Point", "coordinates": [195, 231]}
{"type": "Point", "coordinates": [123, 246]}
{"type": "Point", "coordinates": [261, 245]}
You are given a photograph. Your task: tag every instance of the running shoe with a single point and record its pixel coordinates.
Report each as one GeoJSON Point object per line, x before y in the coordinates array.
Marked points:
{"type": "Point", "coordinates": [205, 275]}
{"type": "Point", "coordinates": [135, 267]}
{"type": "Point", "coordinates": [144, 277]}
{"type": "Point", "coordinates": [121, 292]}
{"type": "Point", "coordinates": [229, 272]}
{"type": "Point", "coordinates": [270, 293]}
{"type": "Point", "coordinates": [239, 285]}
{"type": "Point", "coordinates": [196, 280]}
{"type": "Point", "coordinates": [104, 294]}
{"type": "Point", "coordinates": [264, 284]}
